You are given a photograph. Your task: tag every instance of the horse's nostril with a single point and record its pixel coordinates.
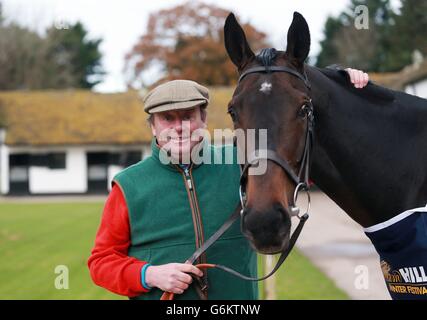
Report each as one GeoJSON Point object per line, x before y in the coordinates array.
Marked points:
{"type": "Point", "coordinates": [269, 230]}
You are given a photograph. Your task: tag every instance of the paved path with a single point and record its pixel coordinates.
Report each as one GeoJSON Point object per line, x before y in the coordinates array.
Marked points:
{"type": "Point", "coordinates": [337, 245]}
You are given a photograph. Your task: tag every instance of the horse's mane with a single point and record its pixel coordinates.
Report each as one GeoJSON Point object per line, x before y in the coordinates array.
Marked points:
{"type": "Point", "coordinates": [372, 91]}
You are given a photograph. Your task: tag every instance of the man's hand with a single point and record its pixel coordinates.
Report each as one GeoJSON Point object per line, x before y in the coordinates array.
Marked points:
{"type": "Point", "coordinates": [358, 78]}
{"type": "Point", "coordinates": [171, 277]}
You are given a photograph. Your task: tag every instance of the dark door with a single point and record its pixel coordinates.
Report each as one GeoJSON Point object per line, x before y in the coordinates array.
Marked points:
{"type": "Point", "coordinates": [97, 172]}
{"type": "Point", "coordinates": [18, 174]}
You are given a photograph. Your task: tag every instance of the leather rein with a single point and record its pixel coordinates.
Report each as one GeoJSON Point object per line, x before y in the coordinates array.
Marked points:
{"type": "Point", "coordinates": [301, 180]}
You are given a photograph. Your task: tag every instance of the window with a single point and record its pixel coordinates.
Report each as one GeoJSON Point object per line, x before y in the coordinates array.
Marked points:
{"type": "Point", "coordinates": [125, 158]}
{"type": "Point", "coordinates": [131, 158]}
{"type": "Point", "coordinates": [55, 160]}
{"type": "Point", "coordinates": [39, 160]}
{"type": "Point", "coordinates": [19, 159]}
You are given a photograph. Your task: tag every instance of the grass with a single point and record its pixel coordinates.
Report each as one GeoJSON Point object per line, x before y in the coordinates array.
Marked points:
{"type": "Point", "coordinates": [35, 238]}
{"type": "Point", "coordinates": [299, 279]}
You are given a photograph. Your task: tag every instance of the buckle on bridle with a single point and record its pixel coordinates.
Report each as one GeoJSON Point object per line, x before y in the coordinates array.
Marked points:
{"type": "Point", "coordinates": [242, 199]}
{"type": "Point", "coordinates": [295, 210]}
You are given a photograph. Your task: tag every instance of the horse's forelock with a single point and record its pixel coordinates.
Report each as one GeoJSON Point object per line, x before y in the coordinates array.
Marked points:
{"type": "Point", "coordinates": [266, 56]}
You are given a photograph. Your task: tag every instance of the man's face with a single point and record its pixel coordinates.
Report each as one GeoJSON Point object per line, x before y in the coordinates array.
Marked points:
{"type": "Point", "coordinates": [174, 129]}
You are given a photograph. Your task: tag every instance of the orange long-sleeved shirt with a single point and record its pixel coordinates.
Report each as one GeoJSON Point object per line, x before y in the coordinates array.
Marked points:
{"type": "Point", "coordinates": [109, 264]}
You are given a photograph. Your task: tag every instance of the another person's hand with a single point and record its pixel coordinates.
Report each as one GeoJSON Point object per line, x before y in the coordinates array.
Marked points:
{"type": "Point", "coordinates": [171, 277]}
{"type": "Point", "coordinates": [358, 78]}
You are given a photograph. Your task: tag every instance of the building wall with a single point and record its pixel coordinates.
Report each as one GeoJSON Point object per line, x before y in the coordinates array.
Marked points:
{"type": "Point", "coordinates": [4, 169]}
{"type": "Point", "coordinates": [112, 171]}
{"type": "Point", "coordinates": [418, 88]}
{"type": "Point", "coordinates": [72, 179]}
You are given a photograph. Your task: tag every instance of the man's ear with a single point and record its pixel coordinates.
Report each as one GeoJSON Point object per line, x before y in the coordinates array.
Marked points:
{"type": "Point", "coordinates": [205, 120]}
{"type": "Point", "coordinates": [153, 129]}
{"type": "Point", "coordinates": [204, 116]}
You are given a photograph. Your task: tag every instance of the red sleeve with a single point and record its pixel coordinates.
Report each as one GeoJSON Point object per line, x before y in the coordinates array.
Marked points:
{"type": "Point", "coordinates": [110, 266]}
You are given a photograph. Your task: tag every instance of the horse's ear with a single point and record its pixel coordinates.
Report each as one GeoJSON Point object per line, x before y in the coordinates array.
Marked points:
{"type": "Point", "coordinates": [235, 42]}
{"type": "Point", "coordinates": [298, 45]}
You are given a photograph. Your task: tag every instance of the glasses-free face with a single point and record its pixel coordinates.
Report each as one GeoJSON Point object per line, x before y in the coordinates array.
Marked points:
{"type": "Point", "coordinates": [174, 130]}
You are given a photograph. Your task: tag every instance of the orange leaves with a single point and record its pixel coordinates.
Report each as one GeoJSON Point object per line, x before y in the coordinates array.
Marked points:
{"type": "Point", "coordinates": [187, 42]}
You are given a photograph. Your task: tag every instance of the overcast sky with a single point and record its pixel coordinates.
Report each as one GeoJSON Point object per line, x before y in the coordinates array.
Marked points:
{"type": "Point", "coordinates": [121, 22]}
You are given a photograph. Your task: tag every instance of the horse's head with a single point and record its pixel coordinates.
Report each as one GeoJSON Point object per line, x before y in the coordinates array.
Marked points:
{"type": "Point", "coordinates": [275, 101]}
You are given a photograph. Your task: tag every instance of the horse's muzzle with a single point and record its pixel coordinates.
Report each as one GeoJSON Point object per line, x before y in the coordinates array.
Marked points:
{"type": "Point", "coordinates": [267, 231]}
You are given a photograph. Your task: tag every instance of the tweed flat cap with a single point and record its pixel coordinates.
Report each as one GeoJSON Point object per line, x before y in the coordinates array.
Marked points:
{"type": "Point", "coordinates": [174, 95]}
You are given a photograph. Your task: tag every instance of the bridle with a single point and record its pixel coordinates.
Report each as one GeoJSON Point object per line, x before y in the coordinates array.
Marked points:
{"type": "Point", "coordinates": [301, 181]}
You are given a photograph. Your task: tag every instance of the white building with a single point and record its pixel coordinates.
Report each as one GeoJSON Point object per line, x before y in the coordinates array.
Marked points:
{"type": "Point", "coordinates": [416, 84]}
{"type": "Point", "coordinates": [418, 87]}
{"type": "Point", "coordinates": [68, 142]}
{"type": "Point", "coordinates": [74, 142]}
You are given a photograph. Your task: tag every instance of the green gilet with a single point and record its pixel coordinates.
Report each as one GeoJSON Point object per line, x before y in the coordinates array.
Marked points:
{"type": "Point", "coordinates": [170, 217]}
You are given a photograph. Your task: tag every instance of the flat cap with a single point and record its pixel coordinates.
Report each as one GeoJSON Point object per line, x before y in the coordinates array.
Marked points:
{"type": "Point", "coordinates": [175, 95]}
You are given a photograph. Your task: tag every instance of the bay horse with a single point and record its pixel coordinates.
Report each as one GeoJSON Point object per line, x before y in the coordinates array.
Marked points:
{"type": "Point", "coordinates": [369, 152]}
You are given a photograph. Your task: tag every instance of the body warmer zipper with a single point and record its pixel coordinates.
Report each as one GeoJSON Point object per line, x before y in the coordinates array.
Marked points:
{"type": "Point", "coordinates": [197, 219]}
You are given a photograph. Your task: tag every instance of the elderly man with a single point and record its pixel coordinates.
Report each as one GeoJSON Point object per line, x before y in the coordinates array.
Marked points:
{"type": "Point", "coordinates": [158, 213]}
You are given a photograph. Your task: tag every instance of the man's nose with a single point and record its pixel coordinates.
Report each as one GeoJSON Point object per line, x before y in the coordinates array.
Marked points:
{"type": "Point", "coordinates": [180, 125]}
{"type": "Point", "coordinates": [177, 126]}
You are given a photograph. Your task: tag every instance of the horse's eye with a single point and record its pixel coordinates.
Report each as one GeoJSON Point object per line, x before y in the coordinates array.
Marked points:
{"type": "Point", "coordinates": [302, 112]}
{"type": "Point", "coordinates": [305, 110]}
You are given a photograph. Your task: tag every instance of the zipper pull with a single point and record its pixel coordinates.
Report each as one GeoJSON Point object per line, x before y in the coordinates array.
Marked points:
{"type": "Point", "coordinates": [187, 176]}
{"type": "Point", "coordinates": [190, 186]}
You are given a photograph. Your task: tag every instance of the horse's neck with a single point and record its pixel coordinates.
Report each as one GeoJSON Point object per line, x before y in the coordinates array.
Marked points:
{"type": "Point", "coordinates": [370, 161]}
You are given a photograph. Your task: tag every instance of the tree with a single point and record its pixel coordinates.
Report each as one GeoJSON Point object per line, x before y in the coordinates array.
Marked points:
{"type": "Point", "coordinates": [368, 49]}
{"type": "Point", "coordinates": [329, 53]}
{"type": "Point", "coordinates": [70, 45]}
{"type": "Point", "coordinates": [410, 31]}
{"type": "Point", "coordinates": [64, 58]}
{"type": "Point", "coordinates": [1, 14]}
{"type": "Point", "coordinates": [21, 58]}
{"type": "Point", "coordinates": [186, 42]}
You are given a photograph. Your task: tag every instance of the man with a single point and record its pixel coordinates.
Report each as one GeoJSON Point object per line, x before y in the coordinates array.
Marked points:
{"type": "Point", "coordinates": [158, 213]}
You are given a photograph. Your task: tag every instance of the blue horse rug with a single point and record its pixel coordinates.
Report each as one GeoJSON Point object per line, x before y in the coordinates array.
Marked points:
{"type": "Point", "coordinates": [401, 243]}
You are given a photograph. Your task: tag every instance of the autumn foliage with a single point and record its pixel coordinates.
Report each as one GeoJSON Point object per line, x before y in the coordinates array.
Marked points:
{"type": "Point", "coordinates": [186, 42]}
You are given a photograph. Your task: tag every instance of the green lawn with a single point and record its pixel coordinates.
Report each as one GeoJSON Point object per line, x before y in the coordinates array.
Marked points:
{"type": "Point", "coordinates": [36, 237]}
